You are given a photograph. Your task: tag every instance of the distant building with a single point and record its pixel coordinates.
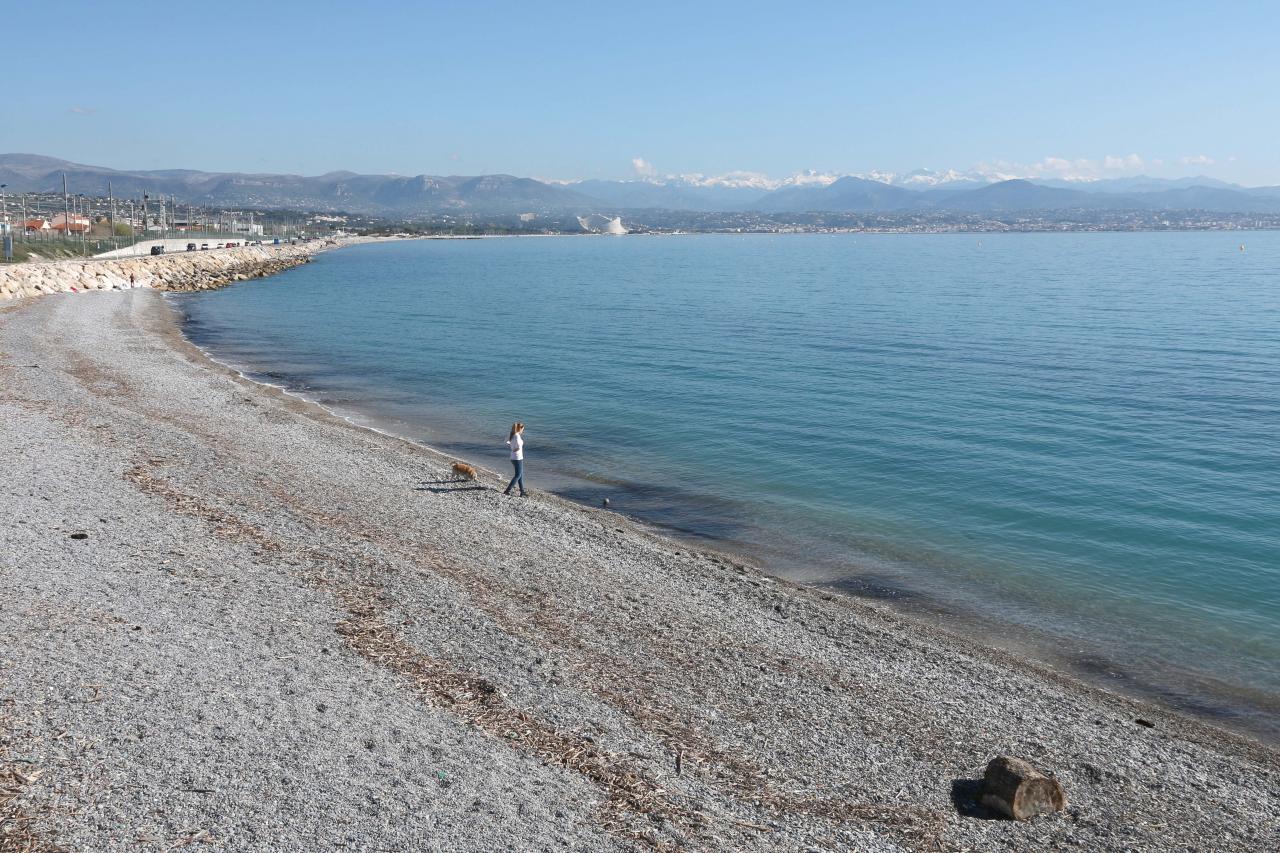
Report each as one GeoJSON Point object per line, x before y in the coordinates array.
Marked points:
{"type": "Point", "coordinates": [37, 226]}
{"type": "Point", "coordinates": [75, 224]}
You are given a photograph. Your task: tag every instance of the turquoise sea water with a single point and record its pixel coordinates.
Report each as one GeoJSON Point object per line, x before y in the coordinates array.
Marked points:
{"type": "Point", "coordinates": [1068, 441]}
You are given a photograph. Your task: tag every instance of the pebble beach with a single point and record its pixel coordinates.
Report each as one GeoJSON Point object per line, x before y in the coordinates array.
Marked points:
{"type": "Point", "coordinates": [232, 620]}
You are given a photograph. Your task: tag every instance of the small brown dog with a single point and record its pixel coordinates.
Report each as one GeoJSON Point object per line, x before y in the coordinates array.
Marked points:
{"type": "Point", "coordinates": [464, 470]}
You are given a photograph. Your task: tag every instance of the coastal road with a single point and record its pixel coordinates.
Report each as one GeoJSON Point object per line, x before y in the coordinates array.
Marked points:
{"type": "Point", "coordinates": [176, 244]}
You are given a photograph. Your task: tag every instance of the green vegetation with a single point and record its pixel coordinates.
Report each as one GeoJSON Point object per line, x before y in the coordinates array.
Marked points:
{"type": "Point", "coordinates": [47, 250]}
{"type": "Point", "coordinates": [52, 250]}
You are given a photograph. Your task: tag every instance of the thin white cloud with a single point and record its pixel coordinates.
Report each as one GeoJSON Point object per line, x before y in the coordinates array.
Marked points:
{"type": "Point", "coordinates": [1064, 169]}
{"type": "Point", "coordinates": [738, 179]}
{"type": "Point", "coordinates": [82, 111]}
{"type": "Point", "coordinates": [1197, 160]}
{"type": "Point", "coordinates": [1131, 163]}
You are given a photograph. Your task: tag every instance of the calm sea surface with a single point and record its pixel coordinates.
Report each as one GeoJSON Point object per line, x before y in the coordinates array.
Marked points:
{"type": "Point", "coordinates": [1066, 441]}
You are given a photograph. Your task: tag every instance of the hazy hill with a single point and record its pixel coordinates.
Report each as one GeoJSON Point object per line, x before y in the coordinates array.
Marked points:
{"type": "Point", "coordinates": [846, 194]}
{"type": "Point", "coordinates": [1214, 199]}
{"type": "Point", "coordinates": [389, 194]}
{"type": "Point", "coordinates": [1139, 184]}
{"type": "Point", "coordinates": [1020, 195]}
{"type": "Point", "coordinates": [858, 195]}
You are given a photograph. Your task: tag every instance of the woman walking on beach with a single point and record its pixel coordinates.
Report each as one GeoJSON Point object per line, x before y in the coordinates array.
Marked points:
{"type": "Point", "coordinates": [516, 442]}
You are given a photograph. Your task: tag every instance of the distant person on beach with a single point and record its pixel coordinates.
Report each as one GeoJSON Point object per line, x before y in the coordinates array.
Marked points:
{"type": "Point", "coordinates": [516, 442]}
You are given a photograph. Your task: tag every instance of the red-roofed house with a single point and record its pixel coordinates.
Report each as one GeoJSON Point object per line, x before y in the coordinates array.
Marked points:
{"type": "Point", "coordinates": [78, 224]}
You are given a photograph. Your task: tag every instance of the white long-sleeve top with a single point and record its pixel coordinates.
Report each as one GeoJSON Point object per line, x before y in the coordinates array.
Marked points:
{"type": "Point", "coordinates": [516, 443]}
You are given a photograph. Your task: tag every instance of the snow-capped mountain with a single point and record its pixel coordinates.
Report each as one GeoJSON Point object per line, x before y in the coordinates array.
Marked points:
{"type": "Point", "coordinates": [931, 179]}
{"type": "Point", "coordinates": [754, 180]}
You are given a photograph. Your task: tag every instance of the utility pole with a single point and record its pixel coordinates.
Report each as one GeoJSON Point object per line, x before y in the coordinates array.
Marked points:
{"type": "Point", "coordinates": [111, 217]}
{"type": "Point", "coordinates": [66, 209]}
{"type": "Point", "coordinates": [6, 233]}
{"type": "Point", "coordinates": [83, 203]}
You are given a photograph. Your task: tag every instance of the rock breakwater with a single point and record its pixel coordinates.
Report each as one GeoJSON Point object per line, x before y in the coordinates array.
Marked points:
{"type": "Point", "coordinates": [184, 271]}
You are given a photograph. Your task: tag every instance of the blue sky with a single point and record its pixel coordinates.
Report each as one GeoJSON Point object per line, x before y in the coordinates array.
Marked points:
{"type": "Point", "coordinates": [581, 90]}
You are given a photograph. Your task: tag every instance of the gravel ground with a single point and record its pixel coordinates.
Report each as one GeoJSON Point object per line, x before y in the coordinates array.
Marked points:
{"type": "Point", "coordinates": [232, 620]}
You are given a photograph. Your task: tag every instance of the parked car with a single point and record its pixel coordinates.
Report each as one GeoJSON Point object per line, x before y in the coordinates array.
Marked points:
{"type": "Point", "coordinates": [157, 250]}
{"type": "Point", "coordinates": [204, 246]}
{"type": "Point", "coordinates": [220, 246]}
{"type": "Point", "coordinates": [191, 247]}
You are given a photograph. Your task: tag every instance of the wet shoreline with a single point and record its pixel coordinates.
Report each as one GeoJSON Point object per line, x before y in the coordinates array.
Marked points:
{"type": "Point", "coordinates": [705, 520]}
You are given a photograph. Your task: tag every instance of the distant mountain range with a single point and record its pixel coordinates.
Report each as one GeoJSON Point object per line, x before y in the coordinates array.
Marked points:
{"type": "Point", "coordinates": [863, 195]}
{"type": "Point", "coordinates": [425, 195]}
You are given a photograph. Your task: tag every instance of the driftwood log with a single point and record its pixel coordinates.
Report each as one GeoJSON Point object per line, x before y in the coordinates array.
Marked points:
{"type": "Point", "coordinates": [1015, 788]}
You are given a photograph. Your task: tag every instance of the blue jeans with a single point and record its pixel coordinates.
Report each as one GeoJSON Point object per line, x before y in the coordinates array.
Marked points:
{"type": "Point", "coordinates": [518, 464]}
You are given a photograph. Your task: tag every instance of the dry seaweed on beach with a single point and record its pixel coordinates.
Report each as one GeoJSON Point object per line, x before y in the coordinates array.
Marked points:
{"type": "Point", "coordinates": [18, 832]}
{"type": "Point", "coordinates": [483, 705]}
